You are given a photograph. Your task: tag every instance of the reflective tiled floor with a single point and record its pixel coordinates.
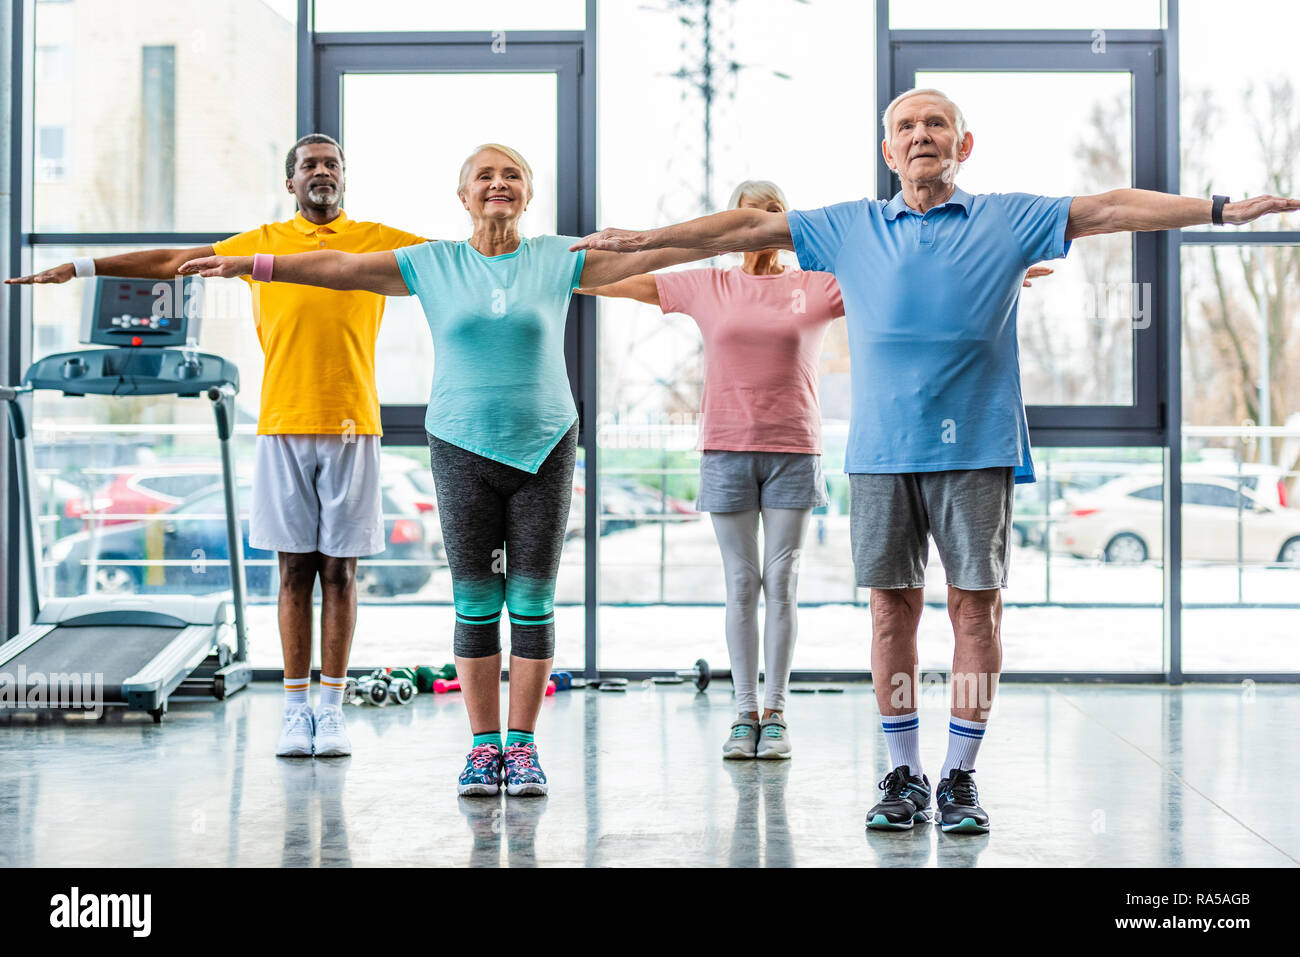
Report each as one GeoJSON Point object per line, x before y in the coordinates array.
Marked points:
{"type": "Point", "coordinates": [1072, 775]}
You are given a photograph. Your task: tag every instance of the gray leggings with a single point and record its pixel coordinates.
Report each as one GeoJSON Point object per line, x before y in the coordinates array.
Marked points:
{"type": "Point", "coordinates": [783, 532]}
{"type": "Point", "coordinates": [489, 512]}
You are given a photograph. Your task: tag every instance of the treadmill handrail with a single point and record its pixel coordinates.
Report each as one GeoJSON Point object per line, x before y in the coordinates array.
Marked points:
{"type": "Point", "coordinates": [221, 390]}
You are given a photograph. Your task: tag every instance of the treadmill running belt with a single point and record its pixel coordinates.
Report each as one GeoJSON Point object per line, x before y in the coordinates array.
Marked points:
{"type": "Point", "coordinates": [113, 652]}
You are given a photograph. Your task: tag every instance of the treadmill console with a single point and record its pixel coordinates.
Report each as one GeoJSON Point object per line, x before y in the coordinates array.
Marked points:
{"type": "Point", "coordinates": [142, 312]}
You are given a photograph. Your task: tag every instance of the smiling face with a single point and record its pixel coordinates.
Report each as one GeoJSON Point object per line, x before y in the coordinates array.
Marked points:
{"type": "Point", "coordinates": [922, 144]}
{"type": "Point", "coordinates": [497, 188]}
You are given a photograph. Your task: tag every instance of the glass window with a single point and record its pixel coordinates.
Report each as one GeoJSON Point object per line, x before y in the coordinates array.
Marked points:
{"type": "Point", "coordinates": [1240, 113]}
{"type": "Point", "coordinates": [1076, 326]}
{"type": "Point", "coordinates": [374, 133]}
{"type": "Point", "coordinates": [227, 331]}
{"type": "Point", "coordinates": [114, 76]}
{"type": "Point", "coordinates": [1154, 493]}
{"type": "Point", "coordinates": [661, 578]}
{"type": "Point", "coordinates": [336, 16]}
{"type": "Point", "coordinates": [1241, 429]}
{"type": "Point", "coordinates": [1023, 15]}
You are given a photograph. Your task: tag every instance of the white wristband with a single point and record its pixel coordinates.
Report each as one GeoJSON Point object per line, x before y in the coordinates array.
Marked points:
{"type": "Point", "coordinates": [84, 266]}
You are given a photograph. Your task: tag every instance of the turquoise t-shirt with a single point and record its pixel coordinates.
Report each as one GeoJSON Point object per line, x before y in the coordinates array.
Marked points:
{"type": "Point", "coordinates": [500, 386]}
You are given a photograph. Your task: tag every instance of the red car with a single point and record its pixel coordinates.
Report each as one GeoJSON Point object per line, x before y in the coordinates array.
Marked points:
{"type": "Point", "coordinates": [145, 489]}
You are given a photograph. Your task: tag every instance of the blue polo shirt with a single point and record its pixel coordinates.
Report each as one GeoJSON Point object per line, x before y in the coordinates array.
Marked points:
{"type": "Point", "coordinates": [931, 301]}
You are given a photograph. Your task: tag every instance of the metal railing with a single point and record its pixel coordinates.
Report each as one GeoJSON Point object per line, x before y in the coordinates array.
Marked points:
{"type": "Point", "coordinates": [680, 438]}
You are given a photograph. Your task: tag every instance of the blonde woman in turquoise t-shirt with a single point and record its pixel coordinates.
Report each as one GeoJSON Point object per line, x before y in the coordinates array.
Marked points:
{"type": "Point", "coordinates": [502, 431]}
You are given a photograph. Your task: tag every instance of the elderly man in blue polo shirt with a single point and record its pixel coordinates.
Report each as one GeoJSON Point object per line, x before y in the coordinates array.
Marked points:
{"type": "Point", "coordinates": [938, 435]}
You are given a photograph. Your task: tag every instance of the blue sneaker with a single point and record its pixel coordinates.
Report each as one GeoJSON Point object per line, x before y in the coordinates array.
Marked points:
{"type": "Point", "coordinates": [523, 774]}
{"type": "Point", "coordinates": [482, 774]}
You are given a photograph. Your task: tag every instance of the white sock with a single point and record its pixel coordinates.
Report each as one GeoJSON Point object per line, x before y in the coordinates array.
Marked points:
{"type": "Point", "coordinates": [964, 739]}
{"type": "Point", "coordinates": [331, 691]}
{"type": "Point", "coordinates": [295, 692]}
{"type": "Point", "coordinates": [903, 736]}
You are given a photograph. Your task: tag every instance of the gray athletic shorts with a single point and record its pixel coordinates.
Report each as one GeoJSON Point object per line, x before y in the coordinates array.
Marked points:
{"type": "Point", "coordinates": [968, 512]}
{"type": "Point", "coordinates": [742, 481]}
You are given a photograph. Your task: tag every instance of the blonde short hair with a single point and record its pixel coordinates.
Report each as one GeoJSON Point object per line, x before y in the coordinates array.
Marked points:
{"type": "Point", "coordinates": [515, 157]}
{"type": "Point", "coordinates": [887, 118]}
{"type": "Point", "coordinates": [760, 190]}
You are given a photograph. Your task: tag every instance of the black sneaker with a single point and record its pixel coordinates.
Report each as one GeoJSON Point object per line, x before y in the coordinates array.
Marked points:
{"type": "Point", "coordinates": [907, 800]}
{"type": "Point", "coordinates": [959, 808]}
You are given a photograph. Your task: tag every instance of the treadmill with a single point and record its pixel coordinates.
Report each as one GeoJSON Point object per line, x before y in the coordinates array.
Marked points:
{"type": "Point", "coordinates": [95, 651]}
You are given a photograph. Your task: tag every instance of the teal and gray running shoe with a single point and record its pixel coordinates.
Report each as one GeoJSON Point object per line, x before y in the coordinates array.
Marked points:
{"type": "Point", "coordinates": [742, 739]}
{"type": "Point", "coordinates": [773, 738]}
{"type": "Point", "coordinates": [907, 800]}
{"type": "Point", "coordinates": [959, 804]}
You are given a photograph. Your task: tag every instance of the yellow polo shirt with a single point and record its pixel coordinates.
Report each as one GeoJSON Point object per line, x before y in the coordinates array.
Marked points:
{"type": "Point", "coordinates": [319, 343]}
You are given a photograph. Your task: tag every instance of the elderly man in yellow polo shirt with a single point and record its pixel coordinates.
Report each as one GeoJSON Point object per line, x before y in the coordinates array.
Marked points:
{"type": "Point", "coordinates": [316, 498]}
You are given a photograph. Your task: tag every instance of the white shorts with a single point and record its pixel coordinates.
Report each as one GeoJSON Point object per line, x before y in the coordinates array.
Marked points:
{"type": "Point", "coordinates": [317, 493]}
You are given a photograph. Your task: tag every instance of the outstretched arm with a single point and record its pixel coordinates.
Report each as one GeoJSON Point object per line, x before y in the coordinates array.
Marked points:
{"type": "Point", "coordinates": [601, 268]}
{"type": "Point", "coordinates": [142, 264]}
{"type": "Point", "coordinates": [327, 268]}
{"type": "Point", "coordinates": [642, 288]}
{"type": "Point", "coordinates": [733, 231]}
{"type": "Point", "coordinates": [1143, 210]}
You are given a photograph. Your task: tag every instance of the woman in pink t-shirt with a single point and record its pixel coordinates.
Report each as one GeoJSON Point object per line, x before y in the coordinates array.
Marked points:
{"type": "Point", "coordinates": [760, 446]}
{"type": "Point", "coordinates": [760, 441]}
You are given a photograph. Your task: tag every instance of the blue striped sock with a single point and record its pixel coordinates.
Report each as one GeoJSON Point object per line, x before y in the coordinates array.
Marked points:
{"type": "Point", "coordinates": [964, 739]}
{"type": "Point", "coordinates": [903, 737]}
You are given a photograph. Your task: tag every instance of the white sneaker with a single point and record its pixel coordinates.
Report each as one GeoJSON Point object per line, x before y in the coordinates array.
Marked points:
{"type": "Point", "coordinates": [331, 739]}
{"type": "Point", "coordinates": [296, 735]}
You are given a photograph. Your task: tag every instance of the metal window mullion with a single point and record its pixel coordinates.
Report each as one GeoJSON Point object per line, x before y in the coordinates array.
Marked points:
{"type": "Point", "coordinates": [1171, 329]}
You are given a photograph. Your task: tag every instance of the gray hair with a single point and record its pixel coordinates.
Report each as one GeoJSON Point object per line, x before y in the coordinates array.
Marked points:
{"type": "Point", "coordinates": [887, 118]}
{"type": "Point", "coordinates": [760, 190]}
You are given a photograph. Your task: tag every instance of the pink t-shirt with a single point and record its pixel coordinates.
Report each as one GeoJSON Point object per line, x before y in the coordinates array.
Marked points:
{"type": "Point", "coordinates": [762, 345]}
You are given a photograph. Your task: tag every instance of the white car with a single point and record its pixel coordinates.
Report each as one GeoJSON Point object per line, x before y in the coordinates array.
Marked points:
{"type": "Point", "coordinates": [1123, 522]}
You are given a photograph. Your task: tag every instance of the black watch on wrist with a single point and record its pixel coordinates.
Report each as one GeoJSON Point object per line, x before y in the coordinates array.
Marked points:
{"type": "Point", "coordinates": [1216, 211]}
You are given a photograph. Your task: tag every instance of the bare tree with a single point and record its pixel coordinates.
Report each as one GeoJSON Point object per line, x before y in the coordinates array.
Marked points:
{"type": "Point", "coordinates": [1243, 321]}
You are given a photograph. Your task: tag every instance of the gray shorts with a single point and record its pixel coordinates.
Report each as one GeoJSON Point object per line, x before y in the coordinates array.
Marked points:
{"type": "Point", "coordinates": [742, 481]}
{"type": "Point", "coordinates": [968, 512]}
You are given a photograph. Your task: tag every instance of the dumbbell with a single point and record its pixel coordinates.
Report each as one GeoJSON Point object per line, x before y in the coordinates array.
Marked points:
{"type": "Point", "coordinates": [563, 680]}
{"type": "Point", "coordinates": [442, 685]}
{"type": "Point", "coordinates": [401, 685]}
{"type": "Point", "coordinates": [700, 675]}
{"type": "Point", "coordinates": [398, 689]}
{"type": "Point", "coordinates": [368, 689]}
{"type": "Point", "coordinates": [426, 675]}
{"type": "Point", "coordinates": [401, 690]}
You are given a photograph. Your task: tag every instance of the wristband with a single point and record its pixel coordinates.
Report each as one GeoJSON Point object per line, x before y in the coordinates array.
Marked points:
{"type": "Point", "coordinates": [1216, 211]}
{"type": "Point", "coordinates": [262, 263]}
{"type": "Point", "coordinates": [83, 266]}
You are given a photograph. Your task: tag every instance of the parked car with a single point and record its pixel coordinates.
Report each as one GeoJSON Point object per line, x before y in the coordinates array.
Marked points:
{"type": "Point", "coordinates": [1034, 501]}
{"type": "Point", "coordinates": [1123, 522]}
{"type": "Point", "coordinates": [411, 484]}
{"type": "Point", "coordinates": [146, 489]}
{"type": "Point", "coordinates": [61, 504]}
{"type": "Point", "coordinates": [194, 533]}
{"type": "Point", "coordinates": [624, 504]}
